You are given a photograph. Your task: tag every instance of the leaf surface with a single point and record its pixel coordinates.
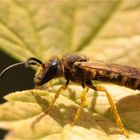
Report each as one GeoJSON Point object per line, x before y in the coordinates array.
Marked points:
{"type": "Point", "coordinates": [96, 29]}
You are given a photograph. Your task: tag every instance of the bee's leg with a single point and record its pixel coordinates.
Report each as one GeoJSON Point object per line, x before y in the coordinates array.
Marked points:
{"type": "Point", "coordinates": [82, 104]}
{"type": "Point", "coordinates": [114, 110]}
{"type": "Point", "coordinates": [112, 104]}
{"type": "Point", "coordinates": [63, 87]}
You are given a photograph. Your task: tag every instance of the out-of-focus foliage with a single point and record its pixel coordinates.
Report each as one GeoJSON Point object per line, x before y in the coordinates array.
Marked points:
{"type": "Point", "coordinates": [106, 30]}
{"type": "Point", "coordinates": [95, 28]}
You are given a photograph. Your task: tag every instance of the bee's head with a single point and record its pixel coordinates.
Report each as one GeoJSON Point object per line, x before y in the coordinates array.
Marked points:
{"type": "Point", "coordinates": [46, 71]}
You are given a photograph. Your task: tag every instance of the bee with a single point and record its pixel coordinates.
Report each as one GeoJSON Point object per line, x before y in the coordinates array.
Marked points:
{"type": "Point", "coordinates": [80, 70]}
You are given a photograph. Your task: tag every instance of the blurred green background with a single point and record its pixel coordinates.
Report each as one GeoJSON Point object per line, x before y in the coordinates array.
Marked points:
{"type": "Point", "coordinates": [14, 80]}
{"type": "Point", "coordinates": [107, 30]}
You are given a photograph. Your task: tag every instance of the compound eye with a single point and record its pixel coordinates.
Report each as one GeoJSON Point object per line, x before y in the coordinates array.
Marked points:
{"type": "Point", "coordinates": [53, 67]}
{"type": "Point", "coordinates": [54, 63]}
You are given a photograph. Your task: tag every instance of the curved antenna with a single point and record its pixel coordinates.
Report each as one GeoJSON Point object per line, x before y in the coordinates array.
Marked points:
{"type": "Point", "coordinates": [30, 61]}
{"type": "Point", "coordinates": [11, 67]}
{"type": "Point", "coordinates": [33, 61]}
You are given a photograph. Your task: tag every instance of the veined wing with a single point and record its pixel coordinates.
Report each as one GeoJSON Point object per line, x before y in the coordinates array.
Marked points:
{"type": "Point", "coordinates": [111, 68]}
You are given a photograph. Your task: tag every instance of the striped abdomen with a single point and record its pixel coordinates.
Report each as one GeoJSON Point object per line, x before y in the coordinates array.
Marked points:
{"type": "Point", "coordinates": [118, 74]}
{"type": "Point", "coordinates": [118, 78]}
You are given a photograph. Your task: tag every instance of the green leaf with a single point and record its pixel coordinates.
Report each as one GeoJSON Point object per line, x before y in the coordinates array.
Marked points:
{"type": "Point", "coordinates": [21, 112]}
{"type": "Point", "coordinates": [95, 28]}
{"type": "Point", "coordinates": [90, 27]}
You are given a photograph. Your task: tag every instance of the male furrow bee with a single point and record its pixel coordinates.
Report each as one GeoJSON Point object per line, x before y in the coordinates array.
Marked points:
{"type": "Point", "coordinates": [80, 70]}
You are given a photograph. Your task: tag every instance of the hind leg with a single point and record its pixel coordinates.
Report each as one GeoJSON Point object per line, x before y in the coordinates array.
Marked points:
{"type": "Point", "coordinates": [112, 105]}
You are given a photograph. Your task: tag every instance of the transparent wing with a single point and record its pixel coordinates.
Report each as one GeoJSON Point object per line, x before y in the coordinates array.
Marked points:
{"type": "Point", "coordinates": [111, 68]}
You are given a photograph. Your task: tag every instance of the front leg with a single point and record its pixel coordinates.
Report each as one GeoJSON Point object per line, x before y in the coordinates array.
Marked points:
{"type": "Point", "coordinates": [63, 87]}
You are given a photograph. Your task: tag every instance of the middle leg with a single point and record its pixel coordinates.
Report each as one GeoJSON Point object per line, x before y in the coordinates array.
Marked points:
{"type": "Point", "coordinates": [82, 104]}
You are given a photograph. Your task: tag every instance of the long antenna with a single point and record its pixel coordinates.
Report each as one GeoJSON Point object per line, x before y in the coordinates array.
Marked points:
{"type": "Point", "coordinates": [11, 67]}
{"type": "Point", "coordinates": [30, 61]}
